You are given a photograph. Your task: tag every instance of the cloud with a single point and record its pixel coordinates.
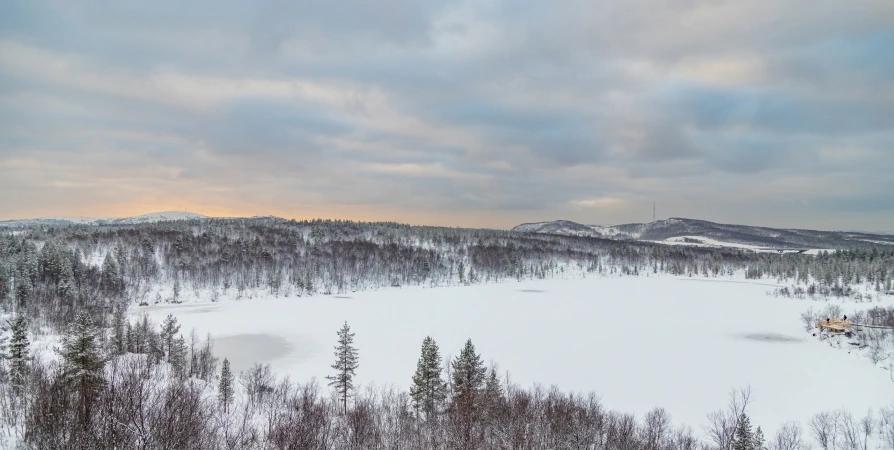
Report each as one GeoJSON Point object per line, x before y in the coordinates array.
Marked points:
{"type": "Point", "coordinates": [598, 203]}
{"type": "Point", "coordinates": [470, 113]}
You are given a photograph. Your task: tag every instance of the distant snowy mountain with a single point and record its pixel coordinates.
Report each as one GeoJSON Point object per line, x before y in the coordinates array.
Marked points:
{"type": "Point", "coordinates": [159, 217]}
{"type": "Point", "coordinates": [678, 231]}
{"type": "Point", "coordinates": [61, 221]}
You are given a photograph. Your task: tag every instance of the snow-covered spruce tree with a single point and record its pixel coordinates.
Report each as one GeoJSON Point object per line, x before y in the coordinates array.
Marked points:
{"type": "Point", "coordinates": [346, 363]}
{"type": "Point", "coordinates": [130, 336]}
{"type": "Point", "coordinates": [493, 391]}
{"type": "Point", "coordinates": [176, 298]}
{"type": "Point", "coordinates": [23, 285]}
{"type": "Point", "coordinates": [4, 350]}
{"type": "Point", "coordinates": [428, 388]}
{"type": "Point", "coordinates": [66, 287]}
{"type": "Point", "coordinates": [83, 363]}
{"type": "Point", "coordinates": [225, 386]}
{"type": "Point", "coordinates": [169, 329]}
{"type": "Point", "coordinates": [493, 404]}
{"type": "Point", "coordinates": [468, 373]}
{"type": "Point", "coordinates": [744, 439]}
{"type": "Point", "coordinates": [5, 279]}
{"type": "Point", "coordinates": [120, 328]}
{"type": "Point", "coordinates": [759, 441]}
{"type": "Point", "coordinates": [178, 357]}
{"type": "Point", "coordinates": [18, 353]}
{"type": "Point", "coordinates": [468, 379]}
{"type": "Point", "coordinates": [110, 276]}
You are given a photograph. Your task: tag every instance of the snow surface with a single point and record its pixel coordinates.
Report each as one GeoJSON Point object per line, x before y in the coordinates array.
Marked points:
{"type": "Point", "coordinates": [700, 241]}
{"type": "Point", "coordinates": [638, 342]}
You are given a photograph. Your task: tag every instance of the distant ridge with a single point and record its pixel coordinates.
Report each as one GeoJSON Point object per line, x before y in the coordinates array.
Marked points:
{"type": "Point", "coordinates": [144, 218]}
{"type": "Point", "coordinates": [680, 231]}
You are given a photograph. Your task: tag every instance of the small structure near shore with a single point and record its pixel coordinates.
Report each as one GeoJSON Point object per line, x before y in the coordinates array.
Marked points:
{"type": "Point", "coordinates": [834, 325]}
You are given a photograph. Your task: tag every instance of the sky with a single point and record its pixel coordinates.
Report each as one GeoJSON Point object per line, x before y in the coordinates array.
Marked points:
{"type": "Point", "coordinates": [460, 113]}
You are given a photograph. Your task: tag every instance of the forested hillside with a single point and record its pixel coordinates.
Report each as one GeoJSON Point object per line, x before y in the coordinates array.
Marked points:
{"type": "Point", "coordinates": [54, 272]}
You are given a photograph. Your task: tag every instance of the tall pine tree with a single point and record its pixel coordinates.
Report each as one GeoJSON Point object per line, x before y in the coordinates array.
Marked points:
{"type": "Point", "coordinates": [468, 386]}
{"type": "Point", "coordinates": [759, 443]}
{"type": "Point", "coordinates": [169, 329]}
{"type": "Point", "coordinates": [428, 389]}
{"type": "Point", "coordinates": [493, 391]}
{"type": "Point", "coordinates": [18, 353]}
{"type": "Point", "coordinates": [468, 374]}
{"type": "Point", "coordinates": [111, 279]}
{"type": "Point", "coordinates": [83, 363]}
{"type": "Point", "coordinates": [118, 340]}
{"type": "Point", "coordinates": [744, 439]}
{"type": "Point", "coordinates": [346, 363]}
{"type": "Point", "coordinates": [225, 386]}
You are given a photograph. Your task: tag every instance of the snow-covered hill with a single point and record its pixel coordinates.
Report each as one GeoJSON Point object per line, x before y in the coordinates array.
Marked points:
{"type": "Point", "coordinates": [61, 221]}
{"type": "Point", "coordinates": [159, 217]}
{"type": "Point", "coordinates": [678, 231]}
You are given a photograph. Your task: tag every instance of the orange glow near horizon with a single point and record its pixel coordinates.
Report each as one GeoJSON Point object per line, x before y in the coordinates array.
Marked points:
{"type": "Point", "coordinates": [360, 213]}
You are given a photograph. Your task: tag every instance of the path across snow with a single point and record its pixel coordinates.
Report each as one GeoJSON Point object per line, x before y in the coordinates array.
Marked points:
{"type": "Point", "coordinates": [637, 342]}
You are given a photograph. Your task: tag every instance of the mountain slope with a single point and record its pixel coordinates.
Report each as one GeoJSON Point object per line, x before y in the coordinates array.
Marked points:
{"type": "Point", "coordinates": [701, 232]}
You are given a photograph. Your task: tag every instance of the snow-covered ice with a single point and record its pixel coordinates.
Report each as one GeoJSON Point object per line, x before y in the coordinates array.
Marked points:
{"type": "Point", "coordinates": [638, 342]}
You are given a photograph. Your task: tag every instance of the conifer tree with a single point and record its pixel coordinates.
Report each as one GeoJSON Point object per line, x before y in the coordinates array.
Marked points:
{"type": "Point", "coordinates": [66, 286]}
{"type": "Point", "coordinates": [176, 290]}
{"type": "Point", "coordinates": [110, 276]}
{"type": "Point", "coordinates": [169, 329]}
{"type": "Point", "coordinates": [468, 379]}
{"type": "Point", "coordinates": [22, 282]}
{"type": "Point", "coordinates": [5, 279]}
{"type": "Point", "coordinates": [225, 387]}
{"type": "Point", "coordinates": [130, 334]}
{"type": "Point", "coordinates": [428, 389]}
{"type": "Point", "coordinates": [4, 349]}
{"type": "Point", "coordinates": [18, 352]}
{"type": "Point", "coordinates": [83, 363]}
{"type": "Point", "coordinates": [468, 373]}
{"type": "Point", "coordinates": [493, 391]}
{"type": "Point", "coordinates": [744, 438]}
{"type": "Point", "coordinates": [178, 357]}
{"type": "Point", "coordinates": [120, 331]}
{"type": "Point", "coordinates": [759, 442]}
{"type": "Point", "coordinates": [345, 365]}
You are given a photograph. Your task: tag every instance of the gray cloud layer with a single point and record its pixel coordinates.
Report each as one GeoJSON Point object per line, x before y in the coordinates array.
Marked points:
{"type": "Point", "coordinates": [482, 113]}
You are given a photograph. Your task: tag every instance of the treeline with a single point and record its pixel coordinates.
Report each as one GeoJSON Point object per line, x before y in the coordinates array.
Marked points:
{"type": "Point", "coordinates": [164, 397]}
{"type": "Point", "coordinates": [55, 272]}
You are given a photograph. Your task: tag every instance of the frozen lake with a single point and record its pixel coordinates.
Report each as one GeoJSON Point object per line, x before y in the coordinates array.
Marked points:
{"type": "Point", "coordinates": [636, 342]}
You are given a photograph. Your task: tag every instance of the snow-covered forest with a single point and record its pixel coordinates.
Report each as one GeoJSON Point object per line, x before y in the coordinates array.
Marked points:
{"type": "Point", "coordinates": [100, 380]}
{"type": "Point", "coordinates": [56, 272]}
{"type": "Point", "coordinates": [138, 386]}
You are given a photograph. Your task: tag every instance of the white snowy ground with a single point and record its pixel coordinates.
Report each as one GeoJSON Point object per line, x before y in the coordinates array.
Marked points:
{"type": "Point", "coordinates": [638, 342]}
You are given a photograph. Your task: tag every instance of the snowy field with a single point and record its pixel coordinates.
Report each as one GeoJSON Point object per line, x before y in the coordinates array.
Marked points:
{"type": "Point", "coordinates": [638, 343]}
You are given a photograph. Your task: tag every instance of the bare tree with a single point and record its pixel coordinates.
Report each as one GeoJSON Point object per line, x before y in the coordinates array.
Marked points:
{"type": "Point", "coordinates": [788, 437]}
{"type": "Point", "coordinates": [886, 426]}
{"type": "Point", "coordinates": [867, 426]}
{"type": "Point", "coordinates": [258, 382]}
{"type": "Point", "coordinates": [656, 429]}
{"type": "Point", "coordinates": [823, 426]}
{"type": "Point", "coordinates": [850, 431]}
